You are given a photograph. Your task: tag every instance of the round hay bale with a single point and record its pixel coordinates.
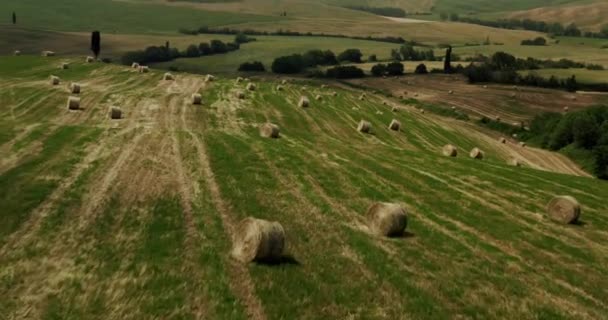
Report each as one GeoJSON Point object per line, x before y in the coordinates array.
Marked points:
{"type": "Point", "coordinates": [318, 97]}
{"type": "Point", "coordinates": [239, 80]}
{"type": "Point", "coordinates": [55, 80]}
{"type": "Point", "coordinates": [135, 65]}
{"type": "Point", "coordinates": [379, 112]}
{"type": "Point", "coordinates": [197, 98]}
{"type": "Point", "coordinates": [304, 88]}
{"type": "Point", "coordinates": [522, 144]}
{"type": "Point", "coordinates": [453, 108]}
{"type": "Point", "coordinates": [73, 103]}
{"type": "Point", "coordinates": [115, 113]}
{"type": "Point", "coordinates": [573, 98]}
{"type": "Point", "coordinates": [258, 240]}
{"type": "Point", "coordinates": [284, 82]}
{"type": "Point", "coordinates": [279, 88]}
{"type": "Point", "coordinates": [65, 66]}
{"type": "Point", "coordinates": [361, 98]}
{"type": "Point", "coordinates": [386, 219]}
{"type": "Point", "coordinates": [246, 79]}
{"type": "Point", "coordinates": [323, 86]}
{"type": "Point", "coordinates": [364, 126]}
{"type": "Point", "coordinates": [514, 162]}
{"type": "Point", "coordinates": [566, 109]}
{"type": "Point", "coordinates": [485, 86]}
{"type": "Point", "coordinates": [75, 88]}
{"type": "Point", "coordinates": [449, 151]}
{"type": "Point", "coordinates": [144, 69]}
{"type": "Point", "coordinates": [415, 95]}
{"type": "Point", "coordinates": [240, 94]}
{"type": "Point", "coordinates": [90, 59]}
{"type": "Point", "coordinates": [395, 125]}
{"type": "Point", "coordinates": [394, 109]}
{"type": "Point", "coordinates": [514, 136]}
{"type": "Point", "coordinates": [269, 130]}
{"type": "Point", "coordinates": [497, 119]}
{"type": "Point", "coordinates": [333, 94]}
{"type": "Point", "coordinates": [476, 154]}
{"type": "Point", "coordinates": [251, 86]}
{"type": "Point", "coordinates": [17, 53]}
{"type": "Point", "coordinates": [502, 140]}
{"type": "Point", "coordinates": [304, 102]}
{"type": "Point", "coordinates": [48, 53]}
{"type": "Point", "coordinates": [209, 78]}
{"type": "Point", "coordinates": [384, 103]}
{"type": "Point", "coordinates": [564, 209]}
{"type": "Point", "coordinates": [451, 92]}
{"type": "Point", "coordinates": [168, 77]}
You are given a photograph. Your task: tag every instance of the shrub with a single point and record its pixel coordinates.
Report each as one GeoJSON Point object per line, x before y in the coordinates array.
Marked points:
{"type": "Point", "coordinates": [351, 55]}
{"type": "Point", "coordinates": [539, 41]}
{"type": "Point", "coordinates": [288, 64]}
{"type": "Point", "coordinates": [379, 70]}
{"type": "Point", "coordinates": [421, 69]}
{"type": "Point", "coordinates": [394, 69]}
{"type": "Point", "coordinates": [372, 58]}
{"type": "Point", "coordinates": [345, 72]}
{"type": "Point", "coordinates": [255, 66]}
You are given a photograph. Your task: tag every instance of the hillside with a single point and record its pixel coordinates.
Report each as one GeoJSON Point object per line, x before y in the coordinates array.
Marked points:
{"type": "Point", "coordinates": [134, 218]}
{"type": "Point", "coordinates": [589, 16]}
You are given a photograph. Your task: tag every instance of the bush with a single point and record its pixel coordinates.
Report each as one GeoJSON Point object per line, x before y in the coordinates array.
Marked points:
{"type": "Point", "coordinates": [351, 55]}
{"type": "Point", "coordinates": [421, 69]}
{"type": "Point", "coordinates": [345, 72]}
{"type": "Point", "coordinates": [395, 69]}
{"type": "Point", "coordinates": [315, 58]}
{"type": "Point", "coordinates": [288, 64]}
{"type": "Point", "coordinates": [372, 58]}
{"type": "Point", "coordinates": [255, 66]}
{"type": "Point", "coordinates": [241, 38]}
{"type": "Point", "coordinates": [539, 41]}
{"type": "Point", "coordinates": [379, 70]}
{"type": "Point", "coordinates": [192, 51]}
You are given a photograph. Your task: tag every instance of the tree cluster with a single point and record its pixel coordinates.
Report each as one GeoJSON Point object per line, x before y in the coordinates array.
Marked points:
{"type": "Point", "coordinates": [538, 41]}
{"type": "Point", "coordinates": [165, 53]}
{"type": "Point", "coordinates": [391, 69]}
{"type": "Point", "coordinates": [255, 66]}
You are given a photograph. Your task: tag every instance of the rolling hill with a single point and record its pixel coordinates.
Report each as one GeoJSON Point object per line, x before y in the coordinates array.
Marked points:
{"type": "Point", "coordinates": [134, 218]}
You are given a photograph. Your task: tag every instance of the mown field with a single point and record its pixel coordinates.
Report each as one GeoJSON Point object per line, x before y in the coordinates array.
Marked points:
{"type": "Point", "coordinates": [134, 218]}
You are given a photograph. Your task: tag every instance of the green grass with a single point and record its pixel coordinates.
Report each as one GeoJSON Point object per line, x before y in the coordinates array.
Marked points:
{"type": "Point", "coordinates": [467, 6]}
{"type": "Point", "coordinates": [118, 16]}
{"type": "Point", "coordinates": [478, 242]}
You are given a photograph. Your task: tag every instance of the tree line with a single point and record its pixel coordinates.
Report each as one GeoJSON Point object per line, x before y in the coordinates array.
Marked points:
{"type": "Point", "coordinates": [585, 130]}
{"type": "Point", "coordinates": [553, 28]}
{"type": "Point", "coordinates": [280, 32]}
{"type": "Point", "coordinates": [165, 53]}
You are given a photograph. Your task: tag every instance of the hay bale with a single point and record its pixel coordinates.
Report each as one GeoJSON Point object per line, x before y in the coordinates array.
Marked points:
{"type": "Point", "coordinates": [48, 53]}
{"type": "Point", "coordinates": [513, 95]}
{"type": "Point", "coordinates": [135, 65]}
{"type": "Point", "coordinates": [384, 103]}
{"type": "Point", "coordinates": [364, 126]}
{"type": "Point", "coordinates": [564, 209]}
{"type": "Point", "coordinates": [258, 240]}
{"type": "Point", "coordinates": [284, 82]}
{"type": "Point", "coordinates": [304, 88]}
{"type": "Point", "coordinates": [269, 130]}
{"type": "Point", "coordinates": [55, 80]}
{"type": "Point", "coordinates": [386, 219]}
{"type": "Point", "coordinates": [251, 86]}
{"type": "Point", "coordinates": [75, 88]}
{"type": "Point", "coordinates": [197, 98]}
{"type": "Point", "coordinates": [17, 53]}
{"type": "Point", "coordinates": [522, 144]}
{"type": "Point", "coordinates": [497, 119]}
{"type": "Point", "coordinates": [280, 88]}
{"type": "Point", "coordinates": [502, 140]}
{"type": "Point", "coordinates": [485, 86]}
{"type": "Point", "coordinates": [246, 79]}
{"type": "Point", "coordinates": [323, 86]}
{"type": "Point", "coordinates": [514, 162]}
{"type": "Point", "coordinates": [168, 77]}
{"type": "Point", "coordinates": [318, 97]}
{"type": "Point", "coordinates": [304, 102]}
{"type": "Point", "coordinates": [240, 94]}
{"type": "Point", "coordinates": [394, 109]}
{"type": "Point", "coordinates": [514, 136]}
{"type": "Point", "coordinates": [361, 98]}
{"type": "Point", "coordinates": [90, 59]}
{"type": "Point", "coordinates": [566, 109]}
{"type": "Point", "coordinates": [451, 92]}
{"type": "Point", "coordinates": [395, 125]}
{"type": "Point", "coordinates": [65, 66]}
{"type": "Point", "coordinates": [334, 94]}
{"type": "Point", "coordinates": [73, 103]}
{"type": "Point", "coordinates": [239, 80]}
{"type": "Point", "coordinates": [453, 108]}
{"type": "Point", "coordinates": [209, 78]}
{"type": "Point", "coordinates": [476, 154]}
{"type": "Point", "coordinates": [379, 112]}
{"type": "Point", "coordinates": [115, 113]}
{"type": "Point", "coordinates": [144, 69]}
{"type": "Point", "coordinates": [415, 95]}
{"type": "Point", "coordinates": [449, 151]}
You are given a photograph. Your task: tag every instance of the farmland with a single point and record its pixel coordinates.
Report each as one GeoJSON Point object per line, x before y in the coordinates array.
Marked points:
{"type": "Point", "coordinates": [133, 218]}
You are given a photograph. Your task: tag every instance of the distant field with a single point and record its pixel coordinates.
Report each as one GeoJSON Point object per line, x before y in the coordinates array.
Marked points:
{"type": "Point", "coordinates": [117, 16]}
{"type": "Point", "coordinates": [267, 48]}
{"type": "Point", "coordinates": [578, 49]}
{"type": "Point", "coordinates": [590, 16]}
{"type": "Point", "coordinates": [582, 75]}
{"type": "Point", "coordinates": [476, 6]}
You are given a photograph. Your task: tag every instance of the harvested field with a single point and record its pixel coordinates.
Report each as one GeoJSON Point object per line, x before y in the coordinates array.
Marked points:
{"type": "Point", "coordinates": [139, 216]}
